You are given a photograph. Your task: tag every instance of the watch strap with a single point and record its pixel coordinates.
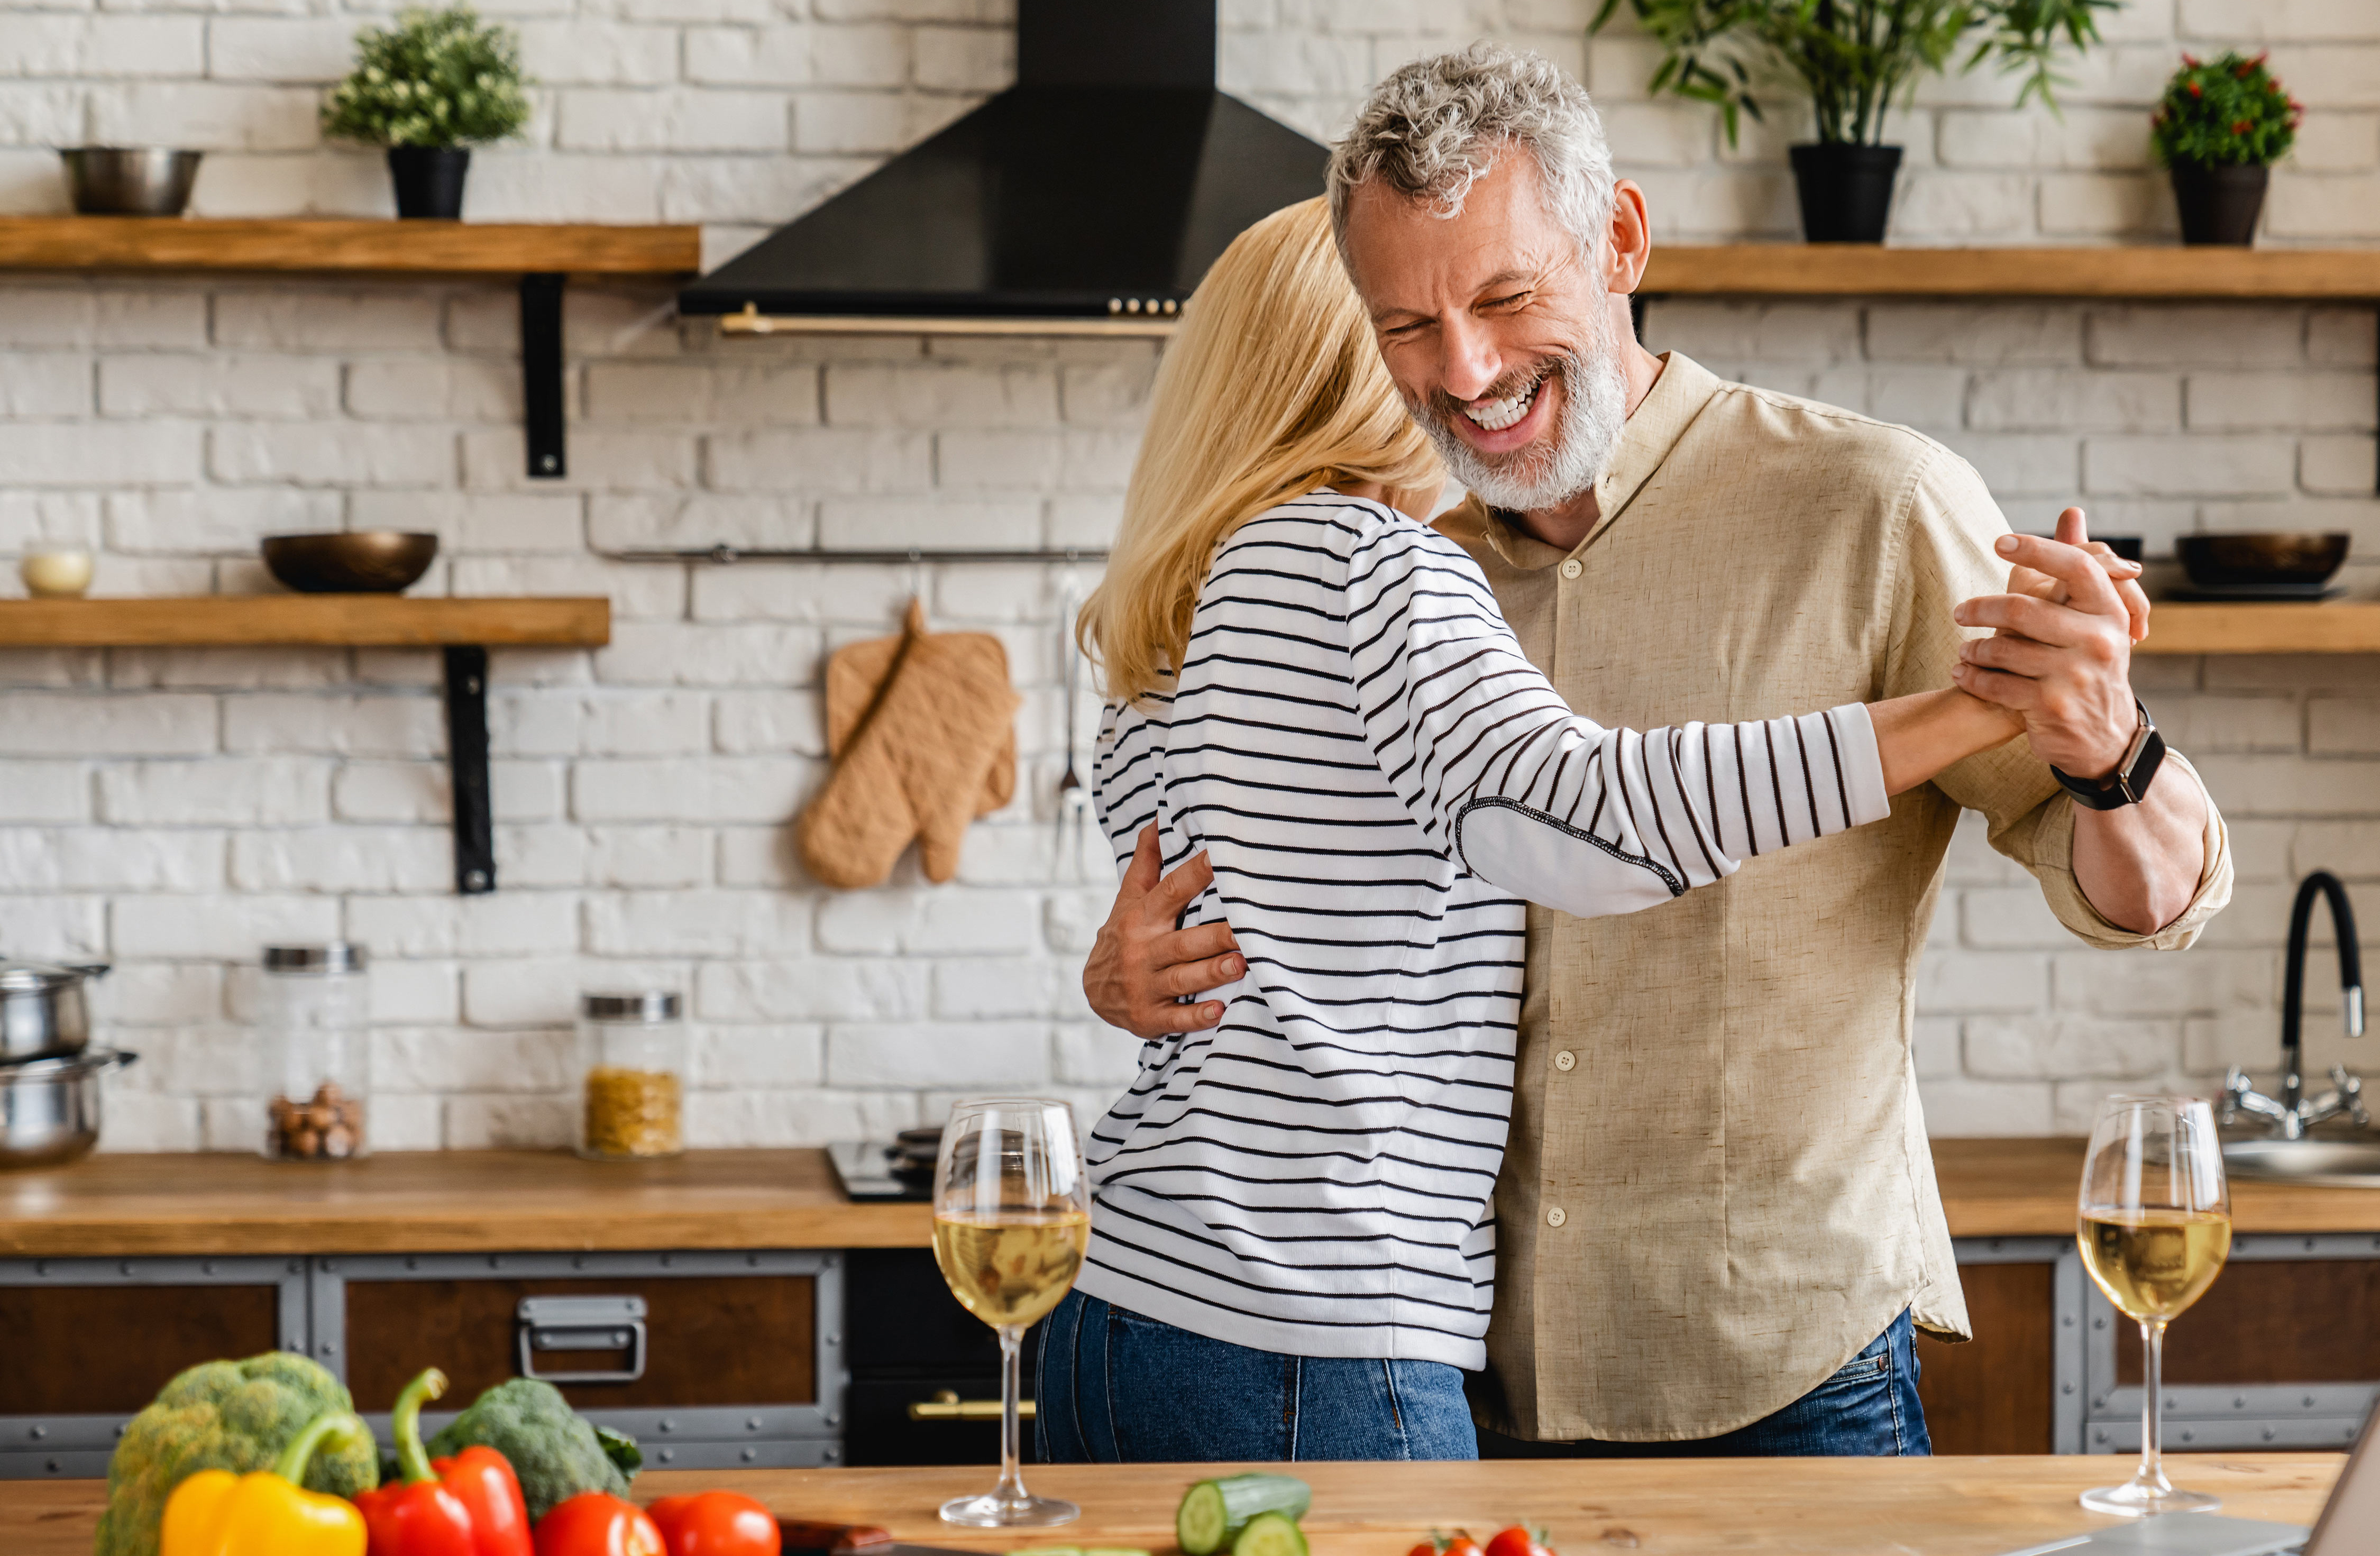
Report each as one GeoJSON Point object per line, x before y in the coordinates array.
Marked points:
{"type": "Point", "coordinates": [2133, 773]}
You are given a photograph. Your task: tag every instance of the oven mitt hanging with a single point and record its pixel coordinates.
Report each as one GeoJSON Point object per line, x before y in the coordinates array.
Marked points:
{"type": "Point", "coordinates": [854, 675]}
{"type": "Point", "coordinates": [938, 739]}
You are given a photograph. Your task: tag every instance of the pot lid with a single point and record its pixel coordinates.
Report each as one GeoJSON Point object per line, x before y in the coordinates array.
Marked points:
{"type": "Point", "coordinates": [34, 978]}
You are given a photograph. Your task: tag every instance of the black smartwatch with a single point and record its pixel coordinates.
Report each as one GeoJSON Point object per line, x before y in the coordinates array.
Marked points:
{"type": "Point", "coordinates": [2142, 759]}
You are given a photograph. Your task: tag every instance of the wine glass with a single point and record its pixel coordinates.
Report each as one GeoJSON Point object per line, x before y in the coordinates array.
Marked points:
{"type": "Point", "coordinates": [1012, 1217]}
{"type": "Point", "coordinates": [2155, 1225]}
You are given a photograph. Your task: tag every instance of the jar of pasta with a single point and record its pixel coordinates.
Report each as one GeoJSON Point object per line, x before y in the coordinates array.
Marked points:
{"type": "Point", "coordinates": [632, 1058]}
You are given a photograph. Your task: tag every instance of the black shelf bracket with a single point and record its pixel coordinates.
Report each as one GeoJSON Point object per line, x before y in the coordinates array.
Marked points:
{"type": "Point", "coordinates": [466, 761]}
{"type": "Point", "coordinates": [540, 336]}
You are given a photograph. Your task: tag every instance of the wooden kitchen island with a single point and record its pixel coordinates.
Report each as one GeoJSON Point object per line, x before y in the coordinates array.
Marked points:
{"type": "Point", "coordinates": [1773, 1507]}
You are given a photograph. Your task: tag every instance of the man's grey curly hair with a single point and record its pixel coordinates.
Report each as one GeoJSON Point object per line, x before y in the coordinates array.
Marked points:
{"type": "Point", "coordinates": [1438, 125]}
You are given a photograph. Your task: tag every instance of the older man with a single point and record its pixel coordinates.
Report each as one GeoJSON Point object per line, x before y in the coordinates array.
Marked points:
{"type": "Point", "coordinates": [1718, 1224]}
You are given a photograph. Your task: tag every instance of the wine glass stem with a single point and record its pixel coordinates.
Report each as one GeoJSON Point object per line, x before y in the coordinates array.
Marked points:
{"type": "Point", "coordinates": [1011, 1479]}
{"type": "Point", "coordinates": [2152, 1471]}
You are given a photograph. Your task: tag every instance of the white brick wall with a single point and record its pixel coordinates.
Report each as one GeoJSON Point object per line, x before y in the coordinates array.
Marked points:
{"type": "Point", "coordinates": [172, 811]}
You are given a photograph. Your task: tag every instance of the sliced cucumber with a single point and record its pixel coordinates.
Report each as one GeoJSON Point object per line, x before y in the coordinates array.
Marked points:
{"type": "Point", "coordinates": [1213, 1513]}
{"type": "Point", "coordinates": [1270, 1533]}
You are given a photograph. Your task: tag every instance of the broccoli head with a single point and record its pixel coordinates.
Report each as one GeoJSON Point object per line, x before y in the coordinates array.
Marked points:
{"type": "Point", "coordinates": [553, 1450]}
{"type": "Point", "coordinates": [223, 1415]}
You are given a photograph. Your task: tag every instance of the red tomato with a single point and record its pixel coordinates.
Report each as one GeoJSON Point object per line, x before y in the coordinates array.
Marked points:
{"type": "Point", "coordinates": [1461, 1545]}
{"type": "Point", "coordinates": [597, 1524]}
{"type": "Point", "coordinates": [1426, 1548]}
{"type": "Point", "coordinates": [1518, 1540]}
{"type": "Point", "coordinates": [716, 1524]}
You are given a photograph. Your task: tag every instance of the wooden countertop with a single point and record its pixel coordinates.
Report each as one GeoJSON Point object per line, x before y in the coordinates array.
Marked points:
{"type": "Point", "coordinates": [533, 1201]}
{"type": "Point", "coordinates": [442, 1202]}
{"type": "Point", "coordinates": [2011, 1188]}
{"type": "Point", "coordinates": [1776, 1507]}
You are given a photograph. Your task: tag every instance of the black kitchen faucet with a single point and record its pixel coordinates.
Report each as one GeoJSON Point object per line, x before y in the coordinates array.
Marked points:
{"type": "Point", "coordinates": [2294, 1113]}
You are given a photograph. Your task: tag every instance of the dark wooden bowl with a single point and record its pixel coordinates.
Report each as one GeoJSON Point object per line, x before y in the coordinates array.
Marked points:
{"type": "Point", "coordinates": [350, 562]}
{"type": "Point", "coordinates": [2307, 558]}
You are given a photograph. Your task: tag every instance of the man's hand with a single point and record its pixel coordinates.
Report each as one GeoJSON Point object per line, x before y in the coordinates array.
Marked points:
{"type": "Point", "coordinates": [1141, 964]}
{"type": "Point", "coordinates": [2062, 653]}
{"type": "Point", "coordinates": [2061, 657]}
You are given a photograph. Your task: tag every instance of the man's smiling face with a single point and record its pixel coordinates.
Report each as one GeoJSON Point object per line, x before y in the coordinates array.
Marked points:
{"type": "Point", "coordinates": [1494, 326]}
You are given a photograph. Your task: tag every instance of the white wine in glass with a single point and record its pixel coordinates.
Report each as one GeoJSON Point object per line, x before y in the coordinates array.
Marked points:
{"type": "Point", "coordinates": [1012, 1218]}
{"type": "Point", "coordinates": [2154, 1221]}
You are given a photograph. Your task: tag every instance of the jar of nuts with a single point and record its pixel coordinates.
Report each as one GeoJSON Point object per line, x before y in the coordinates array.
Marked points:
{"type": "Point", "coordinates": [632, 1057]}
{"type": "Point", "coordinates": [313, 1008]}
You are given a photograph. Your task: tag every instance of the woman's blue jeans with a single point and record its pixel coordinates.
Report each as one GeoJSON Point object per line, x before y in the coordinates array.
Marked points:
{"type": "Point", "coordinates": [1117, 1387]}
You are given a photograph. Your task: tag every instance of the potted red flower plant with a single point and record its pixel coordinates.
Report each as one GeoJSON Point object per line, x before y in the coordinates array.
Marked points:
{"type": "Point", "coordinates": [2219, 129]}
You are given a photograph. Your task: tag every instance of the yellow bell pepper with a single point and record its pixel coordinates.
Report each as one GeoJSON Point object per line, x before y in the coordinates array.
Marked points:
{"type": "Point", "coordinates": [267, 1512]}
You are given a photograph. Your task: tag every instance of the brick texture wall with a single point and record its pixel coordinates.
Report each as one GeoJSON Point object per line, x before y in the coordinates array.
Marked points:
{"type": "Point", "coordinates": [172, 812]}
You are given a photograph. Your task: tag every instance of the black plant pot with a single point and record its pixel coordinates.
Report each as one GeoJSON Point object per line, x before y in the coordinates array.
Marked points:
{"type": "Point", "coordinates": [429, 180]}
{"type": "Point", "coordinates": [2219, 204]}
{"type": "Point", "coordinates": [1846, 190]}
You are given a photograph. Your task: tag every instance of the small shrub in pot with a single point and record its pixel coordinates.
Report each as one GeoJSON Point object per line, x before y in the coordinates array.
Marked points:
{"type": "Point", "coordinates": [429, 89]}
{"type": "Point", "coordinates": [2219, 129]}
{"type": "Point", "coordinates": [1856, 59]}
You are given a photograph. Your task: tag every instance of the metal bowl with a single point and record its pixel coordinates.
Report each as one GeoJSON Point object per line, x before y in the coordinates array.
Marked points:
{"type": "Point", "coordinates": [350, 562]}
{"type": "Point", "coordinates": [50, 1107]}
{"type": "Point", "coordinates": [2305, 560]}
{"type": "Point", "coordinates": [129, 180]}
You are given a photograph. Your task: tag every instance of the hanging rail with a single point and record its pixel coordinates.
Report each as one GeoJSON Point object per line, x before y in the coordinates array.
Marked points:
{"type": "Point", "coordinates": [727, 556]}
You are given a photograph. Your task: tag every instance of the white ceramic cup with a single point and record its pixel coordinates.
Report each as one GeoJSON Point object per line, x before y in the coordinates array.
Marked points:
{"type": "Point", "coordinates": [56, 574]}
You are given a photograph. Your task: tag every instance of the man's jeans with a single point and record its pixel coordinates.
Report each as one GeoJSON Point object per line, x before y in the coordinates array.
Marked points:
{"type": "Point", "coordinates": [1869, 1407]}
{"type": "Point", "coordinates": [1117, 1387]}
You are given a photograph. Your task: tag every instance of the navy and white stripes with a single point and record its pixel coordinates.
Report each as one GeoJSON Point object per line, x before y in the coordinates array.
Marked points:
{"type": "Point", "coordinates": [1380, 780]}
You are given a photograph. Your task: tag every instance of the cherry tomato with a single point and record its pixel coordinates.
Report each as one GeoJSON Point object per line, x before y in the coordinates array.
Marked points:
{"type": "Point", "coordinates": [1461, 1545]}
{"type": "Point", "coordinates": [716, 1524]}
{"type": "Point", "coordinates": [1518, 1540]}
{"type": "Point", "coordinates": [595, 1524]}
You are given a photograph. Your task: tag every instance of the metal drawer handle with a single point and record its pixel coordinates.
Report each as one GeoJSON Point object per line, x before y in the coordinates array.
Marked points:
{"type": "Point", "coordinates": [580, 1323]}
{"type": "Point", "coordinates": [946, 1405]}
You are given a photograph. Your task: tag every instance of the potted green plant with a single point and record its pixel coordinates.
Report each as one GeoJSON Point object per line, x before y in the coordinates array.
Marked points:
{"type": "Point", "coordinates": [428, 89]}
{"type": "Point", "coordinates": [1855, 58]}
{"type": "Point", "coordinates": [2219, 129]}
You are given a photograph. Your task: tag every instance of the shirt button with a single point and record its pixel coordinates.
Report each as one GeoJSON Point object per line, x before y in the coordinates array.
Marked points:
{"type": "Point", "coordinates": [1565, 1060]}
{"type": "Point", "coordinates": [1555, 1217]}
{"type": "Point", "coordinates": [1572, 568]}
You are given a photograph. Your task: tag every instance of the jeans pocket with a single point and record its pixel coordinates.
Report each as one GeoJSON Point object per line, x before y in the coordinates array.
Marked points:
{"type": "Point", "coordinates": [1862, 1370]}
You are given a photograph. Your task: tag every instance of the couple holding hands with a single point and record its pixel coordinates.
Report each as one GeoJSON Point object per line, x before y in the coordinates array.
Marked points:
{"type": "Point", "coordinates": [1521, 913]}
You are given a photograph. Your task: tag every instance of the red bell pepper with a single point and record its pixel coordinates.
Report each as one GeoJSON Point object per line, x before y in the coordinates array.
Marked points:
{"type": "Point", "coordinates": [598, 1524]}
{"type": "Point", "coordinates": [716, 1524]}
{"type": "Point", "coordinates": [468, 1505]}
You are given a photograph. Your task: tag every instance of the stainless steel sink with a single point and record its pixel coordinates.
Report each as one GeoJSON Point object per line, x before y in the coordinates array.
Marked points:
{"type": "Point", "coordinates": [2321, 1162]}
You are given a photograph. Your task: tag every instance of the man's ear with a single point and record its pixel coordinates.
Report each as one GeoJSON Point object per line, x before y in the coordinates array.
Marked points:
{"type": "Point", "coordinates": [1632, 239]}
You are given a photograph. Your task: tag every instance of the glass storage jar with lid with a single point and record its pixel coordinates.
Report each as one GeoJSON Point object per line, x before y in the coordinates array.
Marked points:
{"type": "Point", "coordinates": [313, 1011]}
{"type": "Point", "coordinates": [632, 1060]}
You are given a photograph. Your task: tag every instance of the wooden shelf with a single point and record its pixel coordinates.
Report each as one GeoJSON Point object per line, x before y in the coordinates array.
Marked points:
{"type": "Point", "coordinates": [2168, 274]}
{"type": "Point", "coordinates": [2344, 627]}
{"type": "Point", "coordinates": [304, 620]}
{"type": "Point", "coordinates": [417, 248]}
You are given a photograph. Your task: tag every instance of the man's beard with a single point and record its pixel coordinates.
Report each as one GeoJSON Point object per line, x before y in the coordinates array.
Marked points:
{"type": "Point", "coordinates": [1552, 470]}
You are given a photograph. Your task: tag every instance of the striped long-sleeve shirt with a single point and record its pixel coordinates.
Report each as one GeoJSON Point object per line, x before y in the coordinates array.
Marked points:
{"type": "Point", "coordinates": [1380, 779]}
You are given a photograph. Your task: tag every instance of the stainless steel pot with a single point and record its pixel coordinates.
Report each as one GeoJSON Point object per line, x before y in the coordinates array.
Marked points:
{"type": "Point", "coordinates": [42, 1011]}
{"type": "Point", "coordinates": [48, 1108]}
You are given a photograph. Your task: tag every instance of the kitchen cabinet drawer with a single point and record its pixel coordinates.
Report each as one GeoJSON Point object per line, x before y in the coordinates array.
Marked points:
{"type": "Point", "coordinates": [2282, 1352]}
{"type": "Point", "coordinates": [740, 1363]}
{"type": "Point", "coordinates": [90, 1341]}
{"type": "Point", "coordinates": [910, 1343]}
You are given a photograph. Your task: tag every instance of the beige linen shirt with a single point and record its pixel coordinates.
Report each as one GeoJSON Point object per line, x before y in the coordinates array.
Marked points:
{"type": "Point", "coordinates": [1718, 1188]}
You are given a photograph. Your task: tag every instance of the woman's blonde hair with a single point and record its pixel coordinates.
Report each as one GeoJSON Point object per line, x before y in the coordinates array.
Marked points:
{"type": "Point", "coordinates": [1272, 387]}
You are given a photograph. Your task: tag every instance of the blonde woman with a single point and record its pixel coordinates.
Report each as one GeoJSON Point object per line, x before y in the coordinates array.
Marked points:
{"type": "Point", "coordinates": [1291, 1254]}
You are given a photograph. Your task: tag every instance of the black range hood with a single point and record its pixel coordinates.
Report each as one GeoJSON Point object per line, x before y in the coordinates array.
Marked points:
{"type": "Point", "coordinates": [1101, 186]}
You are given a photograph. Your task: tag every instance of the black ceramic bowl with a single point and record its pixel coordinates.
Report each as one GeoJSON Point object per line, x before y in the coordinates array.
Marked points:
{"type": "Point", "coordinates": [2305, 560]}
{"type": "Point", "coordinates": [350, 562]}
